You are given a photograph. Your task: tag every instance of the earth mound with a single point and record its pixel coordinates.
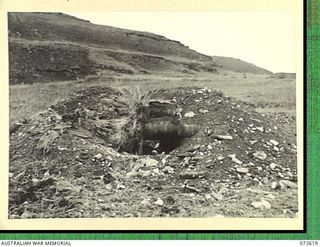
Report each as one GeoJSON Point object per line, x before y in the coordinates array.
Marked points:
{"type": "Point", "coordinates": [183, 152]}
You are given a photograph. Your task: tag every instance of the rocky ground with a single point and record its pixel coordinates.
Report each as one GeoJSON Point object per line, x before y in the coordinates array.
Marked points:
{"type": "Point", "coordinates": [66, 162]}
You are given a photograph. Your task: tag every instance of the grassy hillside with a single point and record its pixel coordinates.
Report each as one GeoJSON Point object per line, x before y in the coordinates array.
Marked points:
{"type": "Point", "coordinates": [62, 27]}
{"type": "Point", "coordinates": [238, 65]}
{"type": "Point", "coordinates": [283, 75]}
{"type": "Point", "coordinates": [47, 47]}
{"type": "Point", "coordinates": [53, 46]}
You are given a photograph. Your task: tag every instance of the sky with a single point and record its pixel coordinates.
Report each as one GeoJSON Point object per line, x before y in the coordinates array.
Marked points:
{"type": "Point", "coordinates": [266, 39]}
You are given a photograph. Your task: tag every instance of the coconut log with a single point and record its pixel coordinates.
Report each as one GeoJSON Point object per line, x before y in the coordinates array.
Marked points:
{"type": "Point", "coordinates": [163, 120]}
{"type": "Point", "coordinates": [157, 130]}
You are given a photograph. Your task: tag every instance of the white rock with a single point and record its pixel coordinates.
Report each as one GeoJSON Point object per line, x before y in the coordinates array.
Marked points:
{"type": "Point", "coordinates": [189, 114]}
{"type": "Point", "coordinates": [276, 148]}
{"type": "Point", "coordinates": [35, 181]}
{"type": "Point", "coordinates": [156, 172]}
{"type": "Point", "coordinates": [159, 202]}
{"type": "Point", "coordinates": [109, 187]}
{"type": "Point", "coordinates": [208, 196]}
{"type": "Point", "coordinates": [261, 129]}
{"type": "Point", "coordinates": [234, 159]}
{"type": "Point", "coordinates": [98, 156]}
{"type": "Point", "coordinates": [26, 215]}
{"type": "Point", "coordinates": [220, 157]}
{"type": "Point", "coordinates": [289, 184]}
{"type": "Point", "coordinates": [145, 202]}
{"type": "Point", "coordinates": [164, 160]}
{"type": "Point", "coordinates": [253, 142]}
{"type": "Point", "coordinates": [274, 185]}
{"type": "Point", "coordinates": [274, 142]}
{"type": "Point", "coordinates": [260, 155]}
{"type": "Point", "coordinates": [273, 165]}
{"type": "Point", "coordinates": [62, 148]}
{"type": "Point", "coordinates": [150, 162]}
{"type": "Point", "coordinates": [121, 187]}
{"type": "Point", "coordinates": [10, 174]}
{"type": "Point", "coordinates": [168, 169]}
{"type": "Point", "coordinates": [223, 137]}
{"type": "Point", "coordinates": [262, 204]}
{"type": "Point", "coordinates": [203, 111]}
{"type": "Point", "coordinates": [242, 170]}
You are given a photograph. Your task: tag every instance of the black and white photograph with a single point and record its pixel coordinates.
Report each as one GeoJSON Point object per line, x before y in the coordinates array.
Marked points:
{"type": "Point", "coordinates": [154, 114]}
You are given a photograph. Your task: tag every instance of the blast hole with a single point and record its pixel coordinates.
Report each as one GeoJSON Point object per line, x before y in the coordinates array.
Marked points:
{"type": "Point", "coordinates": [166, 145]}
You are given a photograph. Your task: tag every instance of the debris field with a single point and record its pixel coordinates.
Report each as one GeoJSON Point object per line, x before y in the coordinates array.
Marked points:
{"type": "Point", "coordinates": [182, 152]}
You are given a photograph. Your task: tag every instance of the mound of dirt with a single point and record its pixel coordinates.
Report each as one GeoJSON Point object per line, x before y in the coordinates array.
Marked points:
{"type": "Point", "coordinates": [207, 155]}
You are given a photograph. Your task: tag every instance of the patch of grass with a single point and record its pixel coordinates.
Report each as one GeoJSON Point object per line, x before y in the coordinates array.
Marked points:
{"type": "Point", "coordinates": [46, 141]}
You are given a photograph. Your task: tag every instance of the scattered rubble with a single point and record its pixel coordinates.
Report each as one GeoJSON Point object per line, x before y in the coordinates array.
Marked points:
{"type": "Point", "coordinates": [261, 204]}
{"type": "Point", "coordinates": [159, 202]}
{"type": "Point", "coordinates": [274, 142]}
{"type": "Point", "coordinates": [242, 170]}
{"type": "Point", "coordinates": [288, 184]}
{"type": "Point", "coordinates": [234, 159]}
{"type": "Point", "coordinates": [273, 166]}
{"type": "Point", "coordinates": [96, 155]}
{"type": "Point", "coordinates": [260, 155]}
{"type": "Point", "coordinates": [274, 185]}
{"type": "Point", "coordinates": [223, 137]}
{"type": "Point", "coordinates": [189, 114]}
